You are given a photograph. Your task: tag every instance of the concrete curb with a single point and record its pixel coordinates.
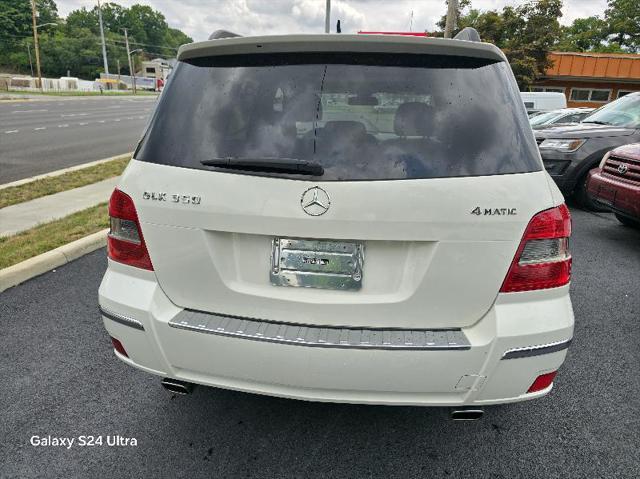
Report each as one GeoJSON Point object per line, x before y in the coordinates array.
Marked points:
{"type": "Point", "coordinates": [21, 272]}
{"type": "Point", "coordinates": [63, 171]}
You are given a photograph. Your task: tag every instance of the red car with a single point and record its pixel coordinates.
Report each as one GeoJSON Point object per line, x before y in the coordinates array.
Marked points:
{"type": "Point", "coordinates": [616, 183]}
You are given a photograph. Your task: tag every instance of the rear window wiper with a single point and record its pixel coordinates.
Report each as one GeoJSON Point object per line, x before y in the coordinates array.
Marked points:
{"type": "Point", "coordinates": [272, 165]}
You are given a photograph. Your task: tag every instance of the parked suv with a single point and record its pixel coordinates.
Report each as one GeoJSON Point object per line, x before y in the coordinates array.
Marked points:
{"type": "Point", "coordinates": [569, 152]}
{"type": "Point", "coordinates": [616, 183]}
{"type": "Point", "coordinates": [333, 218]}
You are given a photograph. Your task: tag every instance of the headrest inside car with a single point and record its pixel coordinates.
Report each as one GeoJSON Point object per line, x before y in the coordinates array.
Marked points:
{"type": "Point", "coordinates": [352, 129]}
{"type": "Point", "coordinates": [304, 107]}
{"type": "Point", "coordinates": [413, 119]}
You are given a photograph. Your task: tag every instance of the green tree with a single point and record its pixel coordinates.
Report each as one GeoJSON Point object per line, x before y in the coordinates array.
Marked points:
{"type": "Point", "coordinates": [532, 30]}
{"type": "Point", "coordinates": [75, 45]}
{"type": "Point", "coordinates": [623, 20]}
{"type": "Point", "coordinates": [525, 33]}
{"type": "Point", "coordinates": [16, 30]}
{"type": "Point", "coordinates": [583, 35]}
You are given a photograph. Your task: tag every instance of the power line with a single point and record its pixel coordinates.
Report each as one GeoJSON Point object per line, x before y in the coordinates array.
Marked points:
{"type": "Point", "coordinates": [146, 44]}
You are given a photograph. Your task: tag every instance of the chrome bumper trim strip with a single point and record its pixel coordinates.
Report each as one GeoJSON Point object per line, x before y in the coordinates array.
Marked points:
{"type": "Point", "coordinates": [529, 351]}
{"type": "Point", "coordinates": [118, 318]}
{"type": "Point", "coordinates": [319, 336]}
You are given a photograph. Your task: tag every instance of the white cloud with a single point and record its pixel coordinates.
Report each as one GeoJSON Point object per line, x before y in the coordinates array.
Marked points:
{"type": "Point", "coordinates": [267, 17]}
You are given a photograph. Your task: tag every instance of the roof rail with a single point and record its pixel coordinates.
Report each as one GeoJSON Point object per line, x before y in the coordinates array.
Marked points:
{"type": "Point", "coordinates": [222, 34]}
{"type": "Point", "coordinates": [469, 34]}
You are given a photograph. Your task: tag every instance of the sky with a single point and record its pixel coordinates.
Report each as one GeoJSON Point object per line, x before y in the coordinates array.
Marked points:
{"type": "Point", "coordinates": [271, 17]}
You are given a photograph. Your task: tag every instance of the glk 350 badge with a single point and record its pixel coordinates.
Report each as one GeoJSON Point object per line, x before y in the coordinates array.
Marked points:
{"type": "Point", "coordinates": [173, 198]}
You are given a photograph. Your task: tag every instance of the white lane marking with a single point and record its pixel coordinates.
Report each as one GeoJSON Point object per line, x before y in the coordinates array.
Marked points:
{"type": "Point", "coordinates": [82, 124]}
{"type": "Point", "coordinates": [141, 117]}
{"type": "Point", "coordinates": [130, 118]}
{"type": "Point", "coordinates": [73, 114]}
{"type": "Point", "coordinates": [40, 128]}
{"type": "Point", "coordinates": [101, 121]}
{"type": "Point", "coordinates": [117, 119]}
{"type": "Point", "coordinates": [63, 126]}
{"type": "Point", "coordinates": [11, 131]}
{"type": "Point", "coordinates": [28, 111]}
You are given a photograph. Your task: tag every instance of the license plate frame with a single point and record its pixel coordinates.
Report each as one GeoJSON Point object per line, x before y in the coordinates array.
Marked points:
{"type": "Point", "coordinates": [320, 264]}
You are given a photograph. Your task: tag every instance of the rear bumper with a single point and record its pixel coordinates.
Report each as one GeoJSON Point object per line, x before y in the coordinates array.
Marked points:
{"type": "Point", "coordinates": [522, 336]}
{"type": "Point", "coordinates": [618, 195]}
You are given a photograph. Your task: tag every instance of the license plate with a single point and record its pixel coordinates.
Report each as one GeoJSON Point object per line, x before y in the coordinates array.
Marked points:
{"type": "Point", "coordinates": [323, 264]}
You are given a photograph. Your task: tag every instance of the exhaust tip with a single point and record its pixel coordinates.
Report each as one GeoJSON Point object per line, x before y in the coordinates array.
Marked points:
{"type": "Point", "coordinates": [178, 387]}
{"type": "Point", "coordinates": [467, 414]}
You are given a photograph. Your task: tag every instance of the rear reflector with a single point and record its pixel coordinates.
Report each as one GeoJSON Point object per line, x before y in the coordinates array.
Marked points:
{"type": "Point", "coordinates": [543, 259]}
{"type": "Point", "coordinates": [117, 345]}
{"type": "Point", "coordinates": [125, 243]}
{"type": "Point", "coordinates": [542, 382]}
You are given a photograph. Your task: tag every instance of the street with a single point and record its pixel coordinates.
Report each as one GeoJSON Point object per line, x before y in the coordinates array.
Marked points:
{"type": "Point", "coordinates": [48, 134]}
{"type": "Point", "coordinates": [61, 378]}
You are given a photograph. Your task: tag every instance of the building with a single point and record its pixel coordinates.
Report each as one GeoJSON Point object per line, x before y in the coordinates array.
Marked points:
{"type": "Point", "coordinates": [591, 79]}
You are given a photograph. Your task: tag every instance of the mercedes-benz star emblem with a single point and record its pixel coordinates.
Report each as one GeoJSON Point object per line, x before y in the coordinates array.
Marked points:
{"type": "Point", "coordinates": [622, 169]}
{"type": "Point", "coordinates": [315, 201]}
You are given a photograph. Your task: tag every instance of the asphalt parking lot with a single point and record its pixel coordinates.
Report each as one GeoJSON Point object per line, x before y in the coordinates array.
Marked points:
{"type": "Point", "coordinates": [60, 378]}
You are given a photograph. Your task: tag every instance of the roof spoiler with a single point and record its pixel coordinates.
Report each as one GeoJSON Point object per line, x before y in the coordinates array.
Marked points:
{"type": "Point", "coordinates": [469, 34]}
{"type": "Point", "coordinates": [346, 43]}
{"type": "Point", "coordinates": [222, 34]}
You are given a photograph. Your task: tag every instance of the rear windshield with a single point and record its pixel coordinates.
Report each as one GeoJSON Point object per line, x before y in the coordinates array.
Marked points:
{"type": "Point", "coordinates": [360, 116]}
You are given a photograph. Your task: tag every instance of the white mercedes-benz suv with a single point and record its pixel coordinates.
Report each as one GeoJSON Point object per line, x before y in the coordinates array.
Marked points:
{"type": "Point", "coordinates": [348, 218]}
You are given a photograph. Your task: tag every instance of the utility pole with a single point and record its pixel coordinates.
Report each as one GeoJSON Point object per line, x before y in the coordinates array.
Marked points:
{"type": "Point", "coordinates": [131, 72]}
{"type": "Point", "coordinates": [30, 62]}
{"type": "Point", "coordinates": [35, 42]}
{"type": "Point", "coordinates": [104, 46]}
{"type": "Point", "coordinates": [327, 18]}
{"type": "Point", "coordinates": [450, 24]}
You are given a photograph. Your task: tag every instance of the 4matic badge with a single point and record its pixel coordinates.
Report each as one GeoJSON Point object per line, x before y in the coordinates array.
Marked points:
{"type": "Point", "coordinates": [174, 198]}
{"type": "Point", "coordinates": [494, 211]}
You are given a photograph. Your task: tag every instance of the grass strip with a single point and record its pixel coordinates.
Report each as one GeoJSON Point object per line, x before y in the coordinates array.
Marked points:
{"type": "Point", "coordinates": [47, 236]}
{"type": "Point", "coordinates": [55, 184]}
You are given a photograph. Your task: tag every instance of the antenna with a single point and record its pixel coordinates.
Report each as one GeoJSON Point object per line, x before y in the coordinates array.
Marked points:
{"type": "Point", "coordinates": [469, 34]}
{"type": "Point", "coordinates": [218, 34]}
{"type": "Point", "coordinates": [338, 28]}
{"type": "Point", "coordinates": [411, 22]}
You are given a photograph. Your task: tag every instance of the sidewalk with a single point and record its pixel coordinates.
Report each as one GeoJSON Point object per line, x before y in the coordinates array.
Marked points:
{"type": "Point", "coordinates": [24, 216]}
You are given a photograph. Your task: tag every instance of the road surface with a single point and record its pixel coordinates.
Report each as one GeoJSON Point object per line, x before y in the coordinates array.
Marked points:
{"type": "Point", "coordinates": [61, 379]}
{"type": "Point", "coordinates": [47, 134]}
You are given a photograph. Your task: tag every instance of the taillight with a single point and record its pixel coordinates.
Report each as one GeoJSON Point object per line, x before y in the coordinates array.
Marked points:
{"type": "Point", "coordinates": [542, 382]}
{"type": "Point", "coordinates": [543, 259]}
{"type": "Point", "coordinates": [125, 243]}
